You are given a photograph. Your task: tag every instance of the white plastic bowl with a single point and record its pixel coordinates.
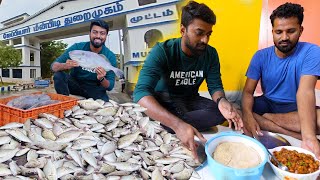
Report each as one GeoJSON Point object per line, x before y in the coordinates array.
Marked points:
{"type": "Point", "coordinates": [285, 174]}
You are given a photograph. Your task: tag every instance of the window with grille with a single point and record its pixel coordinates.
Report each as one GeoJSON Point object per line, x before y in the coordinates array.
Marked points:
{"type": "Point", "coordinates": [5, 73]}
{"type": "Point", "coordinates": [32, 73]}
{"type": "Point", "coordinates": [17, 73]}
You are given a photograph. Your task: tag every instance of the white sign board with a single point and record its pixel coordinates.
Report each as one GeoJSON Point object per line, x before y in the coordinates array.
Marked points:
{"type": "Point", "coordinates": [152, 16]}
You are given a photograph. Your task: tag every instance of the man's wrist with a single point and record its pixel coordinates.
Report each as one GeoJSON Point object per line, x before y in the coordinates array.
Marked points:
{"type": "Point", "coordinates": [101, 79]}
{"type": "Point", "coordinates": [176, 125]}
{"type": "Point", "coordinates": [65, 66]}
{"type": "Point", "coordinates": [309, 137]}
{"type": "Point", "coordinates": [247, 114]}
{"type": "Point", "coordinates": [219, 99]}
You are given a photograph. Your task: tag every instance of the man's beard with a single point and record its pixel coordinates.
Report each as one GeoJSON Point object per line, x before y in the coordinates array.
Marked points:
{"type": "Point", "coordinates": [196, 50]}
{"type": "Point", "coordinates": [286, 49]}
{"type": "Point", "coordinates": [96, 44]}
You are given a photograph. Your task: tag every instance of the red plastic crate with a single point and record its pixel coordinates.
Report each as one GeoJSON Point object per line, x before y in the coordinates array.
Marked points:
{"type": "Point", "coordinates": [11, 114]}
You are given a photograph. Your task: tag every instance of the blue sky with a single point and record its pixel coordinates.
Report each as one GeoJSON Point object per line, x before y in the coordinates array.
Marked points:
{"type": "Point", "coordinates": [12, 8]}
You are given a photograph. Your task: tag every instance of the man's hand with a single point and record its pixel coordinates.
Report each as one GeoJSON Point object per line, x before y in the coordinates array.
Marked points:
{"type": "Point", "coordinates": [230, 112]}
{"type": "Point", "coordinates": [101, 72]}
{"type": "Point", "coordinates": [70, 64]}
{"type": "Point", "coordinates": [186, 134]}
{"type": "Point", "coordinates": [251, 126]}
{"type": "Point", "coordinates": [311, 144]}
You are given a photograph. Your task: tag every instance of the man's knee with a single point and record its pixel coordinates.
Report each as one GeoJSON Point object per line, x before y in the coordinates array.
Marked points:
{"type": "Point", "coordinates": [61, 83]}
{"type": "Point", "coordinates": [204, 119]}
{"type": "Point", "coordinates": [96, 93]}
{"type": "Point", "coordinates": [203, 103]}
{"type": "Point", "coordinates": [59, 76]}
{"type": "Point", "coordinates": [105, 98]}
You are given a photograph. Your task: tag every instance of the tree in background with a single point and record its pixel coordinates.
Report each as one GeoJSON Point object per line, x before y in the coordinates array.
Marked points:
{"type": "Point", "coordinates": [9, 57]}
{"type": "Point", "coordinates": [118, 58]}
{"type": "Point", "coordinates": [50, 50]}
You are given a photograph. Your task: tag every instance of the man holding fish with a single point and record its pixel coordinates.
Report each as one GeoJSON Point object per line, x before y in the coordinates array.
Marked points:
{"type": "Point", "coordinates": [169, 81]}
{"type": "Point", "coordinates": [89, 64]}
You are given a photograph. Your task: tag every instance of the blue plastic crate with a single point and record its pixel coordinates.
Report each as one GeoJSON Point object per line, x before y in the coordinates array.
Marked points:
{"type": "Point", "coordinates": [41, 83]}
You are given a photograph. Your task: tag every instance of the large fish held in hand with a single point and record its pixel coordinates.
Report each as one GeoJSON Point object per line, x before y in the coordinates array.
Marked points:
{"type": "Point", "coordinates": [93, 60]}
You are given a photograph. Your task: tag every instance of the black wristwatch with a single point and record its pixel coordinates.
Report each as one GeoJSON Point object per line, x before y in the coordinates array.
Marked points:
{"type": "Point", "coordinates": [219, 99]}
{"type": "Point", "coordinates": [101, 80]}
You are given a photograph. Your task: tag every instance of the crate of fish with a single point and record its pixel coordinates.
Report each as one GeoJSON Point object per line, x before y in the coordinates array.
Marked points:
{"type": "Point", "coordinates": [21, 108]}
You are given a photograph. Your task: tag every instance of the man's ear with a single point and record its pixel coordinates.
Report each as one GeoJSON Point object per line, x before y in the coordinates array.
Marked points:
{"type": "Point", "coordinates": [301, 30]}
{"type": "Point", "coordinates": [182, 30]}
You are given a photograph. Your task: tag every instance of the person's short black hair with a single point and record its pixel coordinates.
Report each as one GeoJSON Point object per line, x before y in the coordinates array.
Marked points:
{"type": "Point", "coordinates": [195, 10]}
{"type": "Point", "coordinates": [152, 36]}
{"type": "Point", "coordinates": [288, 10]}
{"type": "Point", "coordinates": [100, 23]}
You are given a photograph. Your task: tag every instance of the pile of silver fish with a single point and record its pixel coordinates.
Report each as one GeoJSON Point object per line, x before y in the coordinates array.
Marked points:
{"type": "Point", "coordinates": [96, 140]}
{"type": "Point", "coordinates": [31, 101]}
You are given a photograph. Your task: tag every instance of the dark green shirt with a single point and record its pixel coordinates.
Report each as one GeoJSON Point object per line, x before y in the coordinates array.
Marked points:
{"type": "Point", "coordinates": [168, 69]}
{"type": "Point", "coordinates": [87, 76]}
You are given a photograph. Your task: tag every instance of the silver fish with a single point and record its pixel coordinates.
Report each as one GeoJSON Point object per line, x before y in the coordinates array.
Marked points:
{"type": "Point", "coordinates": [83, 143]}
{"type": "Point", "coordinates": [167, 160]}
{"type": "Point", "coordinates": [125, 166]}
{"type": "Point", "coordinates": [12, 125]}
{"type": "Point", "coordinates": [22, 151]}
{"type": "Point", "coordinates": [90, 104]}
{"type": "Point", "coordinates": [17, 133]}
{"type": "Point", "coordinates": [93, 60]}
{"type": "Point", "coordinates": [52, 145]}
{"type": "Point", "coordinates": [128, 139]}
{"type": "Point", "coordinates": [4, 171]}
{"type": "Point", "coordinates": [75, 156]}
{"type": "Point", "coordinates": [99, 177]}
{"type": "Point", "coordinates": [9, 155]}
{"type": "Point", "coordinates": [68, 136]}
{"type": "Point", "coordinates": [156, 174]}
{"type": "Point", "coordinates": [184, 174]}
{"type": "Point", "coordinates": [4, 140]}
{"type": "Point", "coordinates": [106, 168]}
{"type": "Point", "coordinates": [89, 158]}
{"type": "Point", "coordinates": [108, 148]}
{"type": "Point", "coordinates": [109, 111]}
{"type": "Point", "coordinates": [61, 171]}
{"type": "Point", "coordinates": [14, 168]}
{"type": "Point", "coordinates": [50, 171]}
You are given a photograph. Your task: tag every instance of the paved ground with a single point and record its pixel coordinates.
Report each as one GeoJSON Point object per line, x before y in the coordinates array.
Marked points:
{"type": "Point", "coordinates": [115, 94]}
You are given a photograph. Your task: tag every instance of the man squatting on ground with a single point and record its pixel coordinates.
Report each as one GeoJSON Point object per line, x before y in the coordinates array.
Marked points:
{"type": "Point", "coordinates": [81, 81]}
{"type": "Point", "coordinates": [169, 81]}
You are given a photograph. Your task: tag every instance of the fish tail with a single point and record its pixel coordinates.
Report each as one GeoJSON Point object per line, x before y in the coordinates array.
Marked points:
{"type": "Point", "coordinates": [118, 72]}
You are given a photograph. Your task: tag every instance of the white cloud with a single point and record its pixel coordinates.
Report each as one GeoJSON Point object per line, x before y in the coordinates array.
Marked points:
{"type": "Point", "coordinates": [12, 8]}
